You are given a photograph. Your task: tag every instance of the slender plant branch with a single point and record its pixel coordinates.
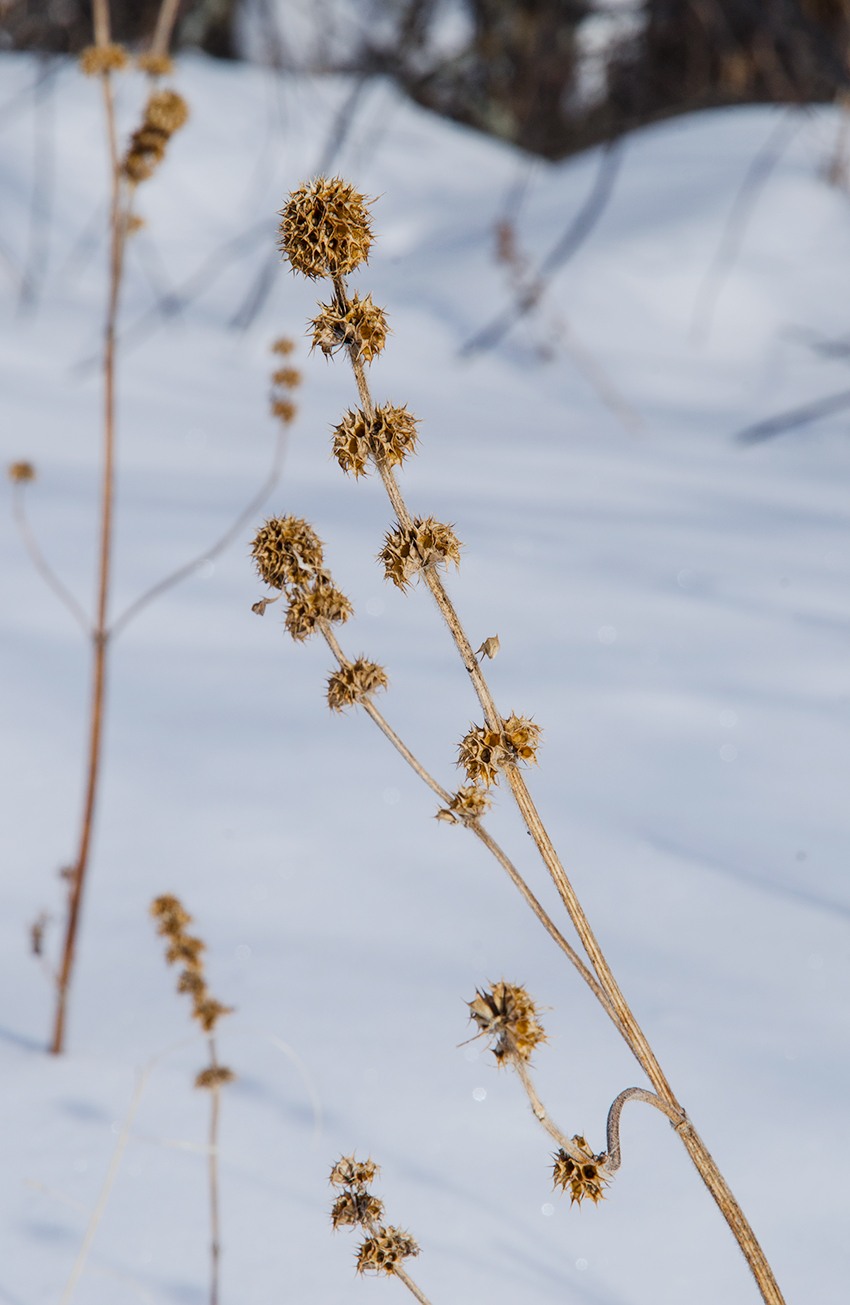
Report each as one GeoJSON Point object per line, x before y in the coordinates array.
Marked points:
{"type": "Point", "coordinates": [40, 562]}
{"type": "Point", "coordinates": [632, 1031]}
{"type": "Point", "coordinates": [215, 1243]}
{"type": "Point", "coordinates": [677, 1118]}
{"type": "Point", "coordinates": [411, 1286]}
{"type": "Point", "coordinates": [164, 27]}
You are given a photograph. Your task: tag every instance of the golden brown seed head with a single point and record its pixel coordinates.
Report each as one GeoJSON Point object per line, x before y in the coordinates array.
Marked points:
{"type": "Point", "coordinates": [522, 737]}
{"type": "Point", "coordinates": [169, 914]}
{"type": "Point", "coordinates": [155, 65]}
{"type": "Point", "coordinates": [355, 683]}
{"type": "Point", "coordinates": [322, 601]}
{"type": "Point", "coordinates": [287, 551]}
{"type": "Point", "coordinates": [208, 1012]}
{"type": "Point", "coordinates": [193, 982]}
{"type": "Point", "coordinates": [215, 1076]}
{"type": "Point", "coordinates": [186, 949]}
{"type": "Point", "coordinates": [585, 1177]}
{"type": "Point", "coordinates": [484, 752]}
{"type": "Point", "coordinates": [285, 409]}
{"type": "Point", "coordinates": [507, 1014]}
{"type": "Point", "coordinates": [353, 1207]}
{"type": "Point", "coordinates": [166, 110]}
{"type": "Point", "coordinates": [362, 326]}
{"type": "Point", "coordinates": [469, 803]}
{"type": "Point", "coordinates": [428, 543]}
{"type": "Point", "coordinates": [289, 376]}
{"type": "Point", "coordinates": [325, 228]}
{"type": "Point", "coordinates": [393, 437]}
{"type": "Point", "coordinates": [283, 346]}
{"type": "Point", "coordinates": [20, 472]}
{"type": "Point", "coordinates": [351, 446]}
{"type": "Point", "coordinates": [98, 59]}
{"type": "Point", "coordinates": [385, 1250]}
{"type": "Point", "coordinates": [351, 1172]}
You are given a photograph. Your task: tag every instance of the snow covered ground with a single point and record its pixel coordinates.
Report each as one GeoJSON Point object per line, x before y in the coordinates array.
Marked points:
{"type": "Point", "coordinates": [673, 609]}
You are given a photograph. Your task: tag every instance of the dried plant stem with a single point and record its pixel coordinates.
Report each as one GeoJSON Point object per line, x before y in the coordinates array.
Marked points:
{"type": "Point", "coordinates": [40, 562]}
{"type": "Point", "coordinates": [100, 635]}
{"type": "Point", "coordinates": [164, 26]}
{"type": "Point", "coordinates": [411, 1285]}
{"type": "Point", "coordinates": [215, 1245]}
{"type": "Point", "coordinates": [630, 1028]}
{"type": "Point", "coordinates": [480, 832]}
{"type": "Point", "coordinates": [679, 1120]}
{"type": "Point", "coordinates": [540, 1112]}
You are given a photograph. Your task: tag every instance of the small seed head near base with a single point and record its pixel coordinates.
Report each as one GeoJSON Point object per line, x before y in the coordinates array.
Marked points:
{"type": "Point", "coordinates": [583, 1178]}
{"type": "Point", "coordinates": [384, 1251]}
{"type": "Point", "coordinates": [21, 472]}
{"type": "Point", "coordinates": [483, 752]}
{"type": "Point", "coordinates": [215, 1076]}
{"type": "Point", "coordinates": [469, 803]}
{"type": "Point", "coordinates": [96, 60]}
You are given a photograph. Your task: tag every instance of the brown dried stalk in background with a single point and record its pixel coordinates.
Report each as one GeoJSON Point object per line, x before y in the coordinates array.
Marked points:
{"type": "Point", "coordinates": [187, 951]}
{"type": "Point", "coordinates": [326, 232]}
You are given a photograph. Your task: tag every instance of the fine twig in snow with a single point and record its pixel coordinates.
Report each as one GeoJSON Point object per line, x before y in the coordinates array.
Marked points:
{"type": "Point", "coordinates": [732, 236]}
{"type": "Point", "coordinates": [793, 418]}
{"type": "Point", "coordinates": [570, 242]}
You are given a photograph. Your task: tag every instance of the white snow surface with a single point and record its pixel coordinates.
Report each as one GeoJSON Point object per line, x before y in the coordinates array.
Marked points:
{"type": "Point", "coordinates": [672, 607]}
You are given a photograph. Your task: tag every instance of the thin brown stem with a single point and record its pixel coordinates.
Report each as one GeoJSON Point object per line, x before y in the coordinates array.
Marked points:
{"type": "Point", "coordinates": [41, 563]}
{"type": "Point", "coordinates": [480, 832]}
{"type": "Point", "coordinates": [100, 634]}
{"type": "Point", "coordinates": [411, 1286]}
{"type": "Point", "coordinates": [678, 1118]}
{"type": "Point", "coordinates": [629, 1026]}
{"type": "Point", "coordinates": [540, 1112]}
{"type": "Point", "coordinates": [164, 26]}
{"type": "Point", "coordinates": [215, 1244]}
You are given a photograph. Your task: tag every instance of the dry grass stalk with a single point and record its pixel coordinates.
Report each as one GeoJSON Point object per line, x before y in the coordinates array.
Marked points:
{"type": "Point", "coordinates": [102, 60]}
{"type": "Point", "coordinates": [185, 950]}
{"type": "Point", "coordinates": [385, 1248]}
{"type": "Point", "coordinates": [326, 232]}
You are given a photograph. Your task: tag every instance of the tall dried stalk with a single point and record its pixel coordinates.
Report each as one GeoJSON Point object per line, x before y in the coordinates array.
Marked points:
{"type": "Point", "coordinates": [326, 232]}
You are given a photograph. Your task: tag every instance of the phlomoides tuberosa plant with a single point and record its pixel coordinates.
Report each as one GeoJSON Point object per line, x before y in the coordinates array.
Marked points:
{"type": "Point", "coordinates": [163, 114]}
{"type": "Point", "coordinates": [326, 234]}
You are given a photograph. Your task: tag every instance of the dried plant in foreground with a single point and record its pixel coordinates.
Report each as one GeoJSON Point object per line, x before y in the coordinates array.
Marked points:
{"type": "Point", "coordinates": [384, 1248]}
{"type": "Point", "coordinates": [326, 231]}
{"type": "Point", "coordinates": [187, 951]}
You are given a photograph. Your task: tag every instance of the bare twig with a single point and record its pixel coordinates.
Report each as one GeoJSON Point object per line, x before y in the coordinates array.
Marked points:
{"type": "Point", "coordinates": [40, 562]}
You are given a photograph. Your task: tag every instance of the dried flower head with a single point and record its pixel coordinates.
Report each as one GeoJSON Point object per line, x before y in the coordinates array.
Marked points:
{"type": "Point", "coordinates": [193, 982]}
{"type": "Point", "coordinates": [98, 59]}
{"type": "Point", "coordinates": [484, 752]}
{"type": "Point", "coordinates": [385, 1250]}
{"type": "Point", "coordinates": [325, 228]}
{"type": "Point", "coordinates": [214, 1076]}
{"type": "Point", "coordinates": [361, 325]}
{"type": "Point", "coordinates": [469, 803]}
{"type": "Point", "coordinates": [283, 346]}
{"type": "Point", "coordinates": [351, 1172]}
{"type": "Point", "coordinates": [20, 472]}
{"type": "Point", "coordinates": [353, 1207]}
{"type": "Point", "coordinates": [288, 376]}
{"type": "Point", "coordinates": [391, 435]}
{"type": "Point", "coordinates": [287, 551]}
{"type": "Point", "coordinates": [155, 65]}
{"type": "Point", "coordinates": [186, 949]}
{"type": "Point", "coordinates": [428, 544]}
{"type": "Point", "coordinates": [285, 409]}
{"type": "Point", "coordinates": [354, 683]}
{"type": "Point", "coordinates": [584, 1177]}
{"type": "Point", "coordinates": [507, 1014]}
{"type": "Point", "coordinates": [165, 113]}
{"type": "Point", "coordinates": [208, 1012]}
{"type": "Point", "coordinates": [169, 914]}
{"type": "Point", "coordinates": [351, 446]}
{"type": "Point", "coordinates": [321, 602]}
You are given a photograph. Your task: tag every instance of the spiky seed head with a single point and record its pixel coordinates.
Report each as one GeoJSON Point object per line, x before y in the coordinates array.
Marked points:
{"type": "Point", "coordinates": [98, 59]}
{"type": "Point", "coordinates": [287, 551]}
{"type": "Point", "coordinates": [289, 376]}
{"type": "Point", "coordinates": [355, 683]}
{"type": "Point", "coordinates": [583, 1177]}
{"type": "Point", "coordinates": [171, 918]}
{"type": "Point", "coordinates": [428, 544]}
{"type": "Point", "coordinates": [385, 1250]}
{"type": "Point", "coordinates": [354, 1207]}
{"type": "Point", "coordinates": [325, 228]}
{"type": "Point", "coordinates": [483, 752]}
{"type": "Point", "coordinates": [155, 65]}
{"type": "Point", "coordinates": [214, 1076]}
{"type": "Point", "coordinates": [362, 326]}
{"type": "Point", "coordinates": [186, 949]}
{"type": "Point", "coordinates": [20, 472]}
{"type": "Point", "coordinates": [507, 1014]}
{"type": "Point", "coordinates": [193, 982]}
{"type": "Point", "coordinates": [522, 737]}
{"type": "Point", "coordinates": [322, 601]}
{"type": "Point", "coordinates": [351, 1172]}
{"type": "Point", "coordinates": [167, 110]}
{"type": "Point", "coordinates": [393, 436]}
{"type": "Point", "coordinates": [283, 346]}
{"type": "Point", "coordinates": [351, 446]}
{"type": "Point", "coordinates": [208, 1012]}
{"type": "Point", "coordinates": [469, 803]}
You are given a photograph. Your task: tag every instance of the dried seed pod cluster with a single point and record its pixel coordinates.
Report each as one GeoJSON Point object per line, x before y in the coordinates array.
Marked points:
{"type": "Point", "coordinates": [96, 60]}
{"type": "Point", "coordinates": [215, 1076]}
{"type": "Point", "coordinates": [288, 555]}
{"type": "Point", "coordinates": [186, 950]}
{"type": "Point", "coordinates": [165, 113]}
{"type": "Point", "coordinates": [484, 752]}
{"type": "Point", "coordinates": [391, 435]}
{"type": "Point", "coordinates": [507, 1014]}
{"type": "Point", "coordinates": [386, 1247]}
{"type": "Point", "coordinates": [354, 683]}
{"type": "Point", "coordinates": [155, 65]}
{"type": "Point", "coordinates": [284, 381]}
{"type": "Point", "coordinates": [469, 803]}
{"type": "Point", "coordinates": [428, 544]}
{"type": "Point", "coordinates": [359, 324]}
{"type": "Point", "coordinates": [584, 1177]}
{"type": "Point", "coordinates": [325, 228]}
{"type": "Point", "coordinates": [21, 472]}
